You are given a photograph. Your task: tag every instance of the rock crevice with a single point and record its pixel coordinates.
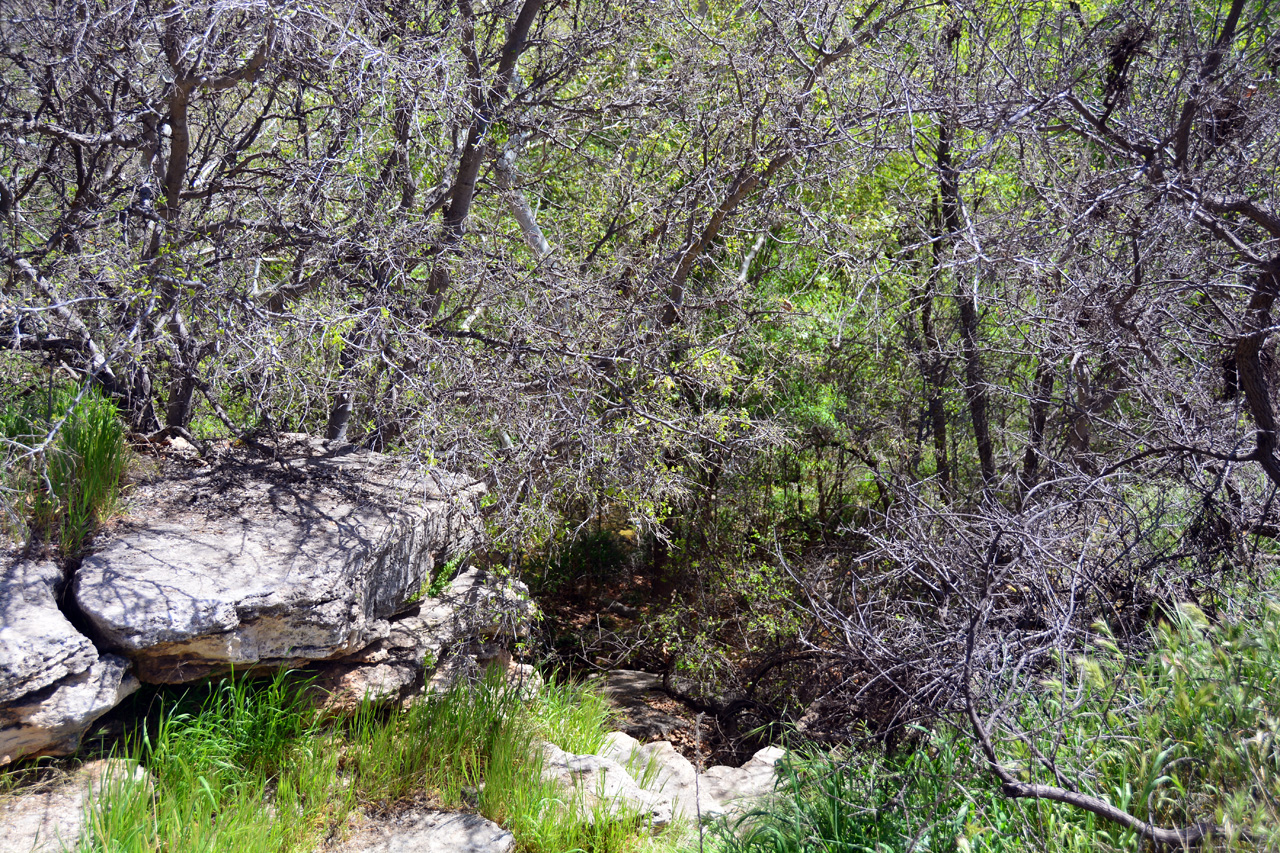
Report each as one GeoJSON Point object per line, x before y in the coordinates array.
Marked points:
{"type": "Point", "coordinates": [320, 554]}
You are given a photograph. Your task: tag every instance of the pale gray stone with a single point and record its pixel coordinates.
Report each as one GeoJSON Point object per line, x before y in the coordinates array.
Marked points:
{"type": "Point", "coordinates": [456, 636]}
{"type": "Point", "coordinates": [38, 646]}
{"type": "Point", "coordinates": [626, 684]}
{"type": "Point", "coordinates": [52, 721]}
{"type": "Point", "coordinates": [53, 821]}
{"type": "Point", "coordinates": [280, 562]}
{"type": "Point", "coordinates": [630, 692]}
{"type": "Point", "coordinates": [736, 789]}
{"type": "Point", "coordinates": [665, 773]}
{"type": "Point", "coordinates": [429, 832]}
{"type": "Point", "coordinates": [597, 785]}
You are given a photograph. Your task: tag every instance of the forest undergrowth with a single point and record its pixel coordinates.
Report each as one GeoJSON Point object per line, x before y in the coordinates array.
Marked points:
{"type": "Point", "coordinates": [1185, 732]}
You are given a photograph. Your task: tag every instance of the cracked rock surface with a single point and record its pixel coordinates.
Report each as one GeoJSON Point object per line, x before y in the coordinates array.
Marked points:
{"type": "Point", "coordinates": [38, 646]}
{"type": "Point", "coordinates": [53, 683]}
{"type": "Point", "coordinates": [278, 561]}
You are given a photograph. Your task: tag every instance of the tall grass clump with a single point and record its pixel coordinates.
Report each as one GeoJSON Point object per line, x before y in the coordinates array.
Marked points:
{"type": "Point", "coordinates": [575, 717]}
{"type": "Point", "coordinates": [69, 484]}
{"type": "Point", "coordinates": [440, 744]}
{"type": "Point", "coordinates": [247, 766]}
{"type": "Point", "coordinates": [843, 802]}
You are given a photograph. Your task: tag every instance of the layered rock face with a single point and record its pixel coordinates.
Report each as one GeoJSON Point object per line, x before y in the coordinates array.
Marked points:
{"type": "Point", "coordinates": [296, 559]}
{"type": "Point", "coordinates": [315, 553]}
{"type": "Point", "coordinates": [53, 682]}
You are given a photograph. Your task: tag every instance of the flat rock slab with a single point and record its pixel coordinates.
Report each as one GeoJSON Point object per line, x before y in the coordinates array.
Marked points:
{"type": "Point", "coordinates": [38, 646]}
{"type": "Point", "coordinates": [634, 695]}
{"type": "Point", "coordinates": [428, 832]}
{"type": "Point", "coordinates": [52, 821]}
{"type": "Point", "coordinates": [271, 561]}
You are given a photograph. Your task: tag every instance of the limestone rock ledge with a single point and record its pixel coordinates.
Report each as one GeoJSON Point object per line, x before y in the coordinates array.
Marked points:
{"type": "Point", "coordinates": [53, 684]}
{"type": "Point", "coordinates": [272, 562]}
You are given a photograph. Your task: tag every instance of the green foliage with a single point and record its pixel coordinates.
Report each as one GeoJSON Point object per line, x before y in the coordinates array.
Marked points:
{"type": "Point", "coordinates": [593, 556]}
{"type": "Point", "coordinates": [843, 803]}
{"type": "Point", "coordinates": [249, 765]}
{"type": "Point", "coordinates": [442, 744]}
{"type": "Point", "coordinates": [72, 481]}
{"type": "Point", "coordinates": [436, 585]}
{"type": "Point", "coordinates": [1185, 734]}
{"type": "Point", "coordinates": [572, 716]}
{"type": "Point", "coordinates": [1189, 733]}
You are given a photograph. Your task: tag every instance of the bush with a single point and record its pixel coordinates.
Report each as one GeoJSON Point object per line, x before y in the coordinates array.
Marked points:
{"type": "Point", "coordinates": [1188, 732]}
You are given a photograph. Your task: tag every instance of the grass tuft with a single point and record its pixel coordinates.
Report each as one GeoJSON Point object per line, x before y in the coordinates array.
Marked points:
{"type": "Point", "coordinates": [247, 765]}
{"type": "Point", "coordinates": [71, 483]}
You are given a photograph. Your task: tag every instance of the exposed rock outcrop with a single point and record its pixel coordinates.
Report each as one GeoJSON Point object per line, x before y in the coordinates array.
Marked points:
{"type": "Point", "coordinates": [665, 773]}
{"type": "Point", "coordinates": [737, 789]}
{"type": "Point", "coordinates": [38, 646]}
{"type": "Point", "coordinates": [632, 694]}
{"type": "Point", "coordinates": [53, 720]}
{"type": "Point", "coordinates": [456, 635]}
{"type": "Point", "coordinates": [602, 786]}
{"type": "Point", "coordinates": [53, 684]}
{"type": "Point", "coordinates": [656, 783]}
{"type": "Point", "coordinates": [277, 562]}
{"type": "Point", "coordinates": [429, 832]}
{"type": "Point", "coordinates": [312, 554]}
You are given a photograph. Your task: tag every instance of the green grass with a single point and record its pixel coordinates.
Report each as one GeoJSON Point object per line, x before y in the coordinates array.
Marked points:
{"type": "Point", "coordinates": [849, 803]}
{"type": "Point", "coordinates": [1188, 732]}
{"type": "Point", "coordinates": [572, 716]}
{"type": "Point", "coordinates": [246, 766]}
{"type": "Point", "coordinates": [65, 490]}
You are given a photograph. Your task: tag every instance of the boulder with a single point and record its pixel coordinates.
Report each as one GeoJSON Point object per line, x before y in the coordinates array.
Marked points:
{"type": "Point", "coordinates": [666, 774]}
{"type": "Point", "coordinates": [736, 789]}
{"type": "Point", "coordinates": [52, 821]}
{"type": "Point", "coordinates": [53, 720]}
{"type": "Point", "coordinates": [457, 635]}
{"type": "Point", "coordinates": [38, 646]}
{"type": "Point", "coordinates": [305, 556]}
{"type": "Point", "coordinates": [53, 684]}
{"type": "Point", "coordinates": [602, 786]}
{"type": "Point", "coordinates": [429, 832]}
